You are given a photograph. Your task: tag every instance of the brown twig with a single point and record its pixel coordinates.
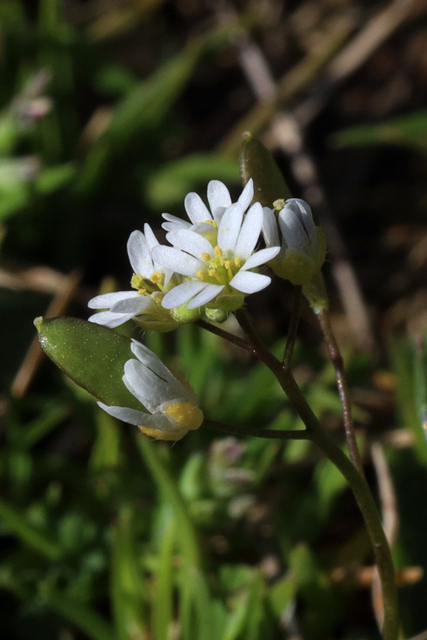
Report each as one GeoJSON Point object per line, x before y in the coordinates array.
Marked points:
{"type": "Point", "coordinates": [34, 354]}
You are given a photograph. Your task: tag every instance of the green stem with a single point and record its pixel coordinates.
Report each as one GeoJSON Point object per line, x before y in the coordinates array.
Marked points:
{"type": "Point", "coordinates": [290, 434]}
{"type": "Point", "coordinates": [338, 364]}
{"type": "Point", "coordinates": [243, 344]}
{"type": "Point", "coordinates": [293, 326]}
{"type": "Point", "coordinates": [355, 479]}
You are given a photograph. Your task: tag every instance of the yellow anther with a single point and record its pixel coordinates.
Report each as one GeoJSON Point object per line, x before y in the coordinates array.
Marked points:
{"type": "Point", "coordinates": [142, 291]}
{"type": "Point", "coordinates": [206, 256]}
{"type": "Point", "coordinates": [156, 277]}
{"type": "Point", "coordinates": [228, 264]}
{"type": "Point", "coordinates": [218, 251]}
{"type": "Point", "coordinates": [201, 275]}
{"type": "Point", "coordinates": [238, 262]}
{"type": "Point", "coordinates": [212, 273]}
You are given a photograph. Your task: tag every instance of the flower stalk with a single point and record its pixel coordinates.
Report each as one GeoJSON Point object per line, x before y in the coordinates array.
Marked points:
{"type": "Point", "coordinates": [356, 480]}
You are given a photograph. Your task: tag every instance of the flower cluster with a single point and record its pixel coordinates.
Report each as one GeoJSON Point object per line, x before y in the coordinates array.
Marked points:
{"type": "Point", "coordinates": [209, 266]}
{"type": "Point", "coordinates": [212, 261]}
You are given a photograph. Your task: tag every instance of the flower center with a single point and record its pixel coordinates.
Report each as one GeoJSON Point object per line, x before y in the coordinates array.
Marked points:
{"type": "Point", "coordinates": [147, 286]}
{"type": "Point", "coordinates": [185, 415]}
{"type": "Point", "coordinates": [220, 269]}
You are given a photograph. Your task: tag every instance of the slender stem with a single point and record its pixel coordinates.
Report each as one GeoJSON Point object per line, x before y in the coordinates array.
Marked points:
{"type": "Point", "coordinates": [290, 434]}
{"type": "Point", "coordinates": [355, 479]}
{"type": "Point", "coordinates": [293, 326]}
{"type": "Point", "coordinates": [244, 344]}
{"type": "Point", "coordinates": [338, 364]}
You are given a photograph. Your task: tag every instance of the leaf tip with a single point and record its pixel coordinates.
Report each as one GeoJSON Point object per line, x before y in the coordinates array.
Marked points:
{"type": "Point", "coordinates": [38, 322]}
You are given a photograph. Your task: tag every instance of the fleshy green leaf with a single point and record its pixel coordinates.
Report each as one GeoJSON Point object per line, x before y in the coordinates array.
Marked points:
{"type": "Point", "coordinates": [91, 355]}
{"type": "Point", "coordinates": [256, 162]}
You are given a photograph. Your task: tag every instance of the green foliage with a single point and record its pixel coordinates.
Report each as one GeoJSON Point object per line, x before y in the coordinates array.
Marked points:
{"type": "Point", "coordinates": [409, 131]}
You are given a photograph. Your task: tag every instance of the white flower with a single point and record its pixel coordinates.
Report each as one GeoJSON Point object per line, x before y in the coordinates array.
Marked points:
{"type": "Point", "coordinates": [303, 245]}
{"type": "Point", "coordinates": [149, 281]}
{"type": "Point", "coordinates": [173, 407]}
{"type": "Point", "coordinates": [218, 269]}
{"type": "Point", "coordinates": [201, 217]}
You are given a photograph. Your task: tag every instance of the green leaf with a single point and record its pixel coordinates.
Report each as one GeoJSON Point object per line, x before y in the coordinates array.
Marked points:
{"type": "Point", "coordinates": [166, 483]}
{"type": "Point", "coordinates": [256, 162]}
{"type": "Point", "coordinates": [81, 615]}
{"type": "Point", "coordinates": [126, 580]}
{"type": "Point", "coordinates": [173, 181]}
{"type": "Point", "coordinates": [27, 533]}
{"type": "Point", "coordinates": [53, 178]}
{"type": "Point", "coordinates": [408, 363]}
{"type": "Point", "coordinates": [282, 594]}
{"type": "Point", "coordinates": [91, 355]}
{"type": "Point", "coordinates": [409, 131]}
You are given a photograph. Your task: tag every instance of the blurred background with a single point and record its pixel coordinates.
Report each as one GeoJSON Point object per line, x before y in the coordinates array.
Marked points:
{"type": "Point", "coordinates": [110, 112]}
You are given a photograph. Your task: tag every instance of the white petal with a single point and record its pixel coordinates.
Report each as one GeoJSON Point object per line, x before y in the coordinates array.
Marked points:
{"type": "Point", "coordinates": [191, 242]}
{"type": "Point", "coordinates": [205, 296]}
{"type": "Point", "coordinates": [196, 209]}
{"type": "Point", "coordinates": [139, 254]}
{"type": "Point", "coordinates": [133, 305]}
{"type": "Point", "coordinates": [302, 211]}
{"type": "Point", "coordinates": [229, 228]}
{"type": "Point", "coordinates": [110, 320]}
{"type": "Point", "coordinates": [132, 416]}
{"type": "Point", "coordinates": [293, 231]}
{"type": "Point", "coordinates": [270, 230]}
{"type": "Point", "coordinates": [182, 293]}
{"type": "Point", "coordinates": [177, 260]}
{"type": "Point", "coordinates": [150, 360]}
{"type": "Point", "coordinates": [248, 282]}
{"type": "Point", "coordinates": [218, 197]}
{"type": "Point", "coordinates": [106, 300]}
{"type": "Point", "coordinates": [150, 237]}
{"type": "Point", "coordinates": [148, 388]}
{"type": "Point", "coordinates": [247, 194]}
{"type": "Point", "coordinates": [173, 223]}
{"type": "Point", "coordinates": [260, 257]}
{"type": "Point", "coordinates": [165, 425]}
{"type": "Point", "coordinates": [249, 233]}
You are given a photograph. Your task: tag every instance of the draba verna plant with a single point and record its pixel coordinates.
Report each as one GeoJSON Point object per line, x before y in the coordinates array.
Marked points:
{"type": "Point", "coordinates": [212, 261]}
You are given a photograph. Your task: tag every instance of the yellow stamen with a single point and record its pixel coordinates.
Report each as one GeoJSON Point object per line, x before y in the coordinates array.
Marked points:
{"type": "Point", "coordinates": [238, 262]}
{"type": "Point", "coordinates": [206, 256]}
{"type": "Point", "coordinates": [201, 275]}
{"type": "Point", "coordinates": [228, 264]}
{"type": "Point", "coordinates": [218, 251]}
{"type": "Point", "coordinates": [142, 291]}
{"type": "Point", "coordinates": [156, 277]}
